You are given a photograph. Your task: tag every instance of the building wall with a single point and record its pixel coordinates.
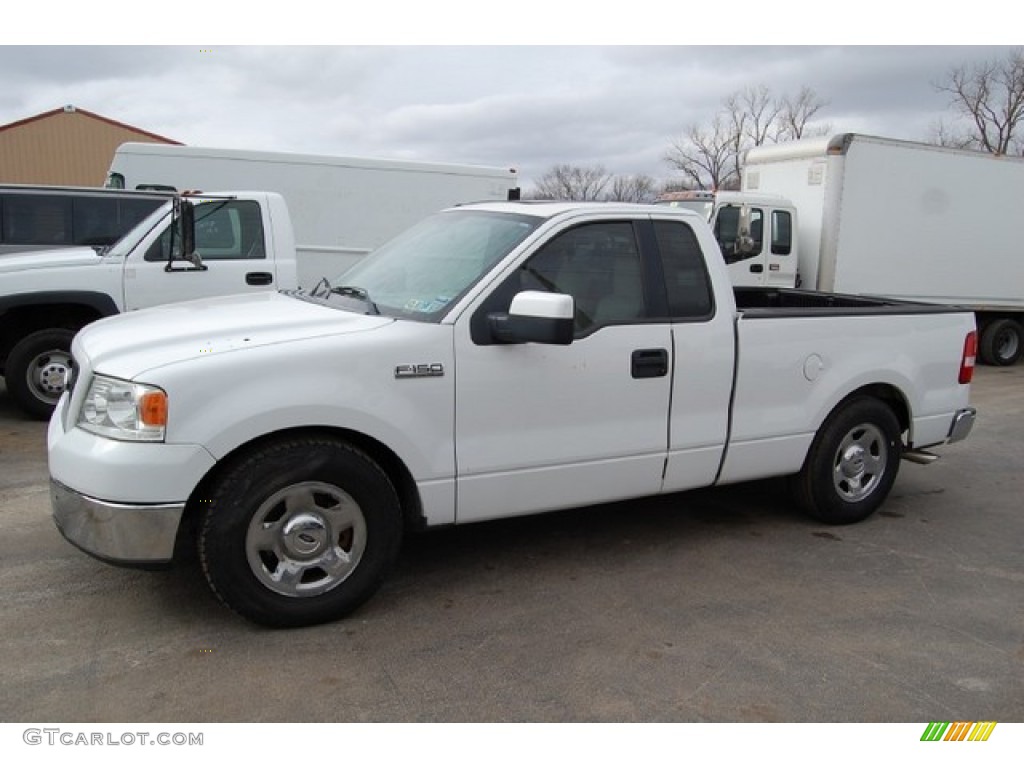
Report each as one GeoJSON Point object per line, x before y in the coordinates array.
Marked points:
{"type": "Point", "coordinates": [65, 147]}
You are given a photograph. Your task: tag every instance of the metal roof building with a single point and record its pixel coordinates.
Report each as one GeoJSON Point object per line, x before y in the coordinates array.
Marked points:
{"type": "Point", "coordinates": [65, 146]}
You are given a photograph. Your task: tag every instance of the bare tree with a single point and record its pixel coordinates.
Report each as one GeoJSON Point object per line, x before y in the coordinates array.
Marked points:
{"type": "Point", "coordinates": [946, 135]}
{"type": "Point", "coordinates": [752, 112]}
{"type": "Point", "coordinates": [707, 157]}
{"type": "Point", "coordinates": [750, 117]}
{"type": "Point", "coordinates": [990, 98]}
{"type": "Point", "coordinates": [634, 188]}
{"type": "Point", "coordinates": [796, 113]}
{"type": "Point", "coordinates": [572, 182]}
{"type": "Point", "coordinates": [759, 111]}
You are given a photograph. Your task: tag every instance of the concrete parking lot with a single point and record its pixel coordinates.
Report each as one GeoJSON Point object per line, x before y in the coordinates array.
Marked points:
{"type": "Point", "coordinates": [718, 605]}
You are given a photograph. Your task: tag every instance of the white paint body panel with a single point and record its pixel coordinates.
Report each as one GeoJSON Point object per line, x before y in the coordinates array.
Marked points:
{"type": "Point", "coordinates": [508, 429]}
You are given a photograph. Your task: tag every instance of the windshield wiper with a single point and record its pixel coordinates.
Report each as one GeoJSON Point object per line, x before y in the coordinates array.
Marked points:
{"type": "Point", "coordinates": [355, 292]}
{"type": "Point", "coordinates": [323, 283]}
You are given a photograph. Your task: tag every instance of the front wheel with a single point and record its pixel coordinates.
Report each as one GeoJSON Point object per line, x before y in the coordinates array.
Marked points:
{"type": "Point", "coordinates": [852, 463]}
{"type": "Point", "coordinates": [37, 368]}
{"type": "Point", "coordinates": [299, 532]}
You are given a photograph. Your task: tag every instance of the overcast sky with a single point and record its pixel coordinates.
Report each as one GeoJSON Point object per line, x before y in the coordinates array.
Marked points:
{"type": "Point", "coordinates": [527, 107]}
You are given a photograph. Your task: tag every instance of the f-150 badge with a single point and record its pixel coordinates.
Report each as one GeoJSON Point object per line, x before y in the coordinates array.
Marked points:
{"type": "Point", "coordinates": [418, 371]}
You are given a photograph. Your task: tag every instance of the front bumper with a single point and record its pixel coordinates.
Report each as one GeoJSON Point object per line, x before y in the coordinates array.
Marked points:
{"type": "Point", "coordinates": [124, 534]}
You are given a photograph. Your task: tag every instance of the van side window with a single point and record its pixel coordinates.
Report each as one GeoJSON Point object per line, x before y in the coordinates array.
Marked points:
{"type": "Point", "coordinates": [231, 229]}
{"type": "Point", "coordinates": [782, 233]}
{"type": "Point", "coordinates": [37, 220]}
{"type": "Point", "coordinates": [686, 278]}
{"type": "Point", "coordinates": [94, 221]}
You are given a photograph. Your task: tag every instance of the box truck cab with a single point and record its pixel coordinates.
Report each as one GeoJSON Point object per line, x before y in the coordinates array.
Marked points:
{"type": "Point", "coordinates": [755, 233]}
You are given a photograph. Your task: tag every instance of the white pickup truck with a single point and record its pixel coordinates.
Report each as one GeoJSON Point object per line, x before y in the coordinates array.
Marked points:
{"type": "Point", "coordinates": [246, 244]}
{"type": "Point", "coordinates": [495, 360]}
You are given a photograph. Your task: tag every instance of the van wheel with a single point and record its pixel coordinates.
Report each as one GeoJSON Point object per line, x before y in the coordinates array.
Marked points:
{"type": "Point", "coordinates": [299, 532]}
{"type": "Point", "coordinates": [1002, 342]}
{"type": "Point", "coordinates": [36, 369]}
{"type": "Point", "coordinates": [852, 463]}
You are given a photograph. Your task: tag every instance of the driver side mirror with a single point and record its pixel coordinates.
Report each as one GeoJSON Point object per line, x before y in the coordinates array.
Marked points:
{"type": "Point", "coordinates": [184, 222]}
{"type": "Point", "coordinates": [535, 316]}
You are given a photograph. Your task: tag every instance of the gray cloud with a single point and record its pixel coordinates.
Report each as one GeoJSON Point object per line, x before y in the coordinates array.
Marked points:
{"type": "Point", "coordinates": [523, 106]}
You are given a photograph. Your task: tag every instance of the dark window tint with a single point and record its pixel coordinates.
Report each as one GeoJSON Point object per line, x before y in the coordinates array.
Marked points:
{"type": "Point", "coordinates": [599, 266]}
{"type": "Point", "coordinates": [686, 279]}
{"type": "Point", "coordinates": [95, 221]}
{"type": "Point", "coordinates": [73, 218]}
{"type": "Point", "coordinates": [37, 220]}
{"type": "Point", "coordinates": [782, 233]}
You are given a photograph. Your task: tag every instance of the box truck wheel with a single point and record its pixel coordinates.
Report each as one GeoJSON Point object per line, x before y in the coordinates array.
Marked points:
{"type": "Point", "coordinates": [1001, 342]}
{"type": "Point", "coordinates": [36, 369]}
{"type": "Point", "coordinates": [299, 531]}
{"type": "Point", "coordinates": [852, 463]}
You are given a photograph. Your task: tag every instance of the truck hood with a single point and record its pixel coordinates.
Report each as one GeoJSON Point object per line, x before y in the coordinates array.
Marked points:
{"type": "Point", "coordinates": [127, 345]}
{"type": "Point", "coordinates": [49, 258]}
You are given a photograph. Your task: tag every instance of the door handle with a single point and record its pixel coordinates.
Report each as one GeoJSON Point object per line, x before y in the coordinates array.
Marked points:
{"type": "Point", "coordinates": [757, 268]}
{"type": "Point", "coordinates": [649, 363]}
{"type": "Point", "coordinates": [259, 278]}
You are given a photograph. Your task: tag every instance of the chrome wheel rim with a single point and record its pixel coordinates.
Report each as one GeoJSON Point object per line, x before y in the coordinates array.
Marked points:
{"type": "Point", "coordinates": [47, 373]}
{"type": "Point", "coordinates": [306, 539]}
{"type": "Point", "coordinates": [860, 463]}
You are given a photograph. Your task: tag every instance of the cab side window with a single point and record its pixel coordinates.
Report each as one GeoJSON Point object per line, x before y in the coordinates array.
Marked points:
{"type": "Point", "coordinates": [686, 277]}
{"type": "Point", "coordinates": [739, 240]}
{"type": "Point", "coordinates": [598, 265]}
{"type": "Point", "coordinates": [224, 230]}
{"type": "Point", "coordinates": [782, 233]}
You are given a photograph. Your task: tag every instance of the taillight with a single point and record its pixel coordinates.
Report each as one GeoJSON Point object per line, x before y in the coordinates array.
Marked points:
{"type": "Point", "coordinates": [967, 361]}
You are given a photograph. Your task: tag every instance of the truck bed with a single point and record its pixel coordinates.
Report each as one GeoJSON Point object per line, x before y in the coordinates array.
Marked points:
{"type": "Point", "coordinates": [790, 302]}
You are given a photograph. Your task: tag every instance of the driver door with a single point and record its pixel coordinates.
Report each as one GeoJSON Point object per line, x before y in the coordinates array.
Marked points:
{"type": "Point", "coordinates": [231, 241]}
{"type": "Point", "coordinates": [544, 426]}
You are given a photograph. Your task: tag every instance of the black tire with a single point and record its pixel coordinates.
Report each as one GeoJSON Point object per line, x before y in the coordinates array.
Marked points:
{"type": "Point", "coordinates": [1002, 342]}
{"type": "Point", "coordinates": [299, 532]}
{"type": "Point", "coordinates": [36, 368]}
{"type": "Point", "coordinates": [852, 463]}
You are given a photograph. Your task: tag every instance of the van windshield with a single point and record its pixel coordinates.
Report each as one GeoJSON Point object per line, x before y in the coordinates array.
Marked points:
{"type": "Point", "coordinates": [421, 273]}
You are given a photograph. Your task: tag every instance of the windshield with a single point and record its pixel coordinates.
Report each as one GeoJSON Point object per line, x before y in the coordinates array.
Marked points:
{"type": "Point", "coordinates": [132, 237]}
{"type": "Point", "coordinates": [422, 272]}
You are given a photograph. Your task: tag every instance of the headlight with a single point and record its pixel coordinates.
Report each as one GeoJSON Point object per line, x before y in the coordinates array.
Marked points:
{"type": "Point", "coordinates": [124, 410]}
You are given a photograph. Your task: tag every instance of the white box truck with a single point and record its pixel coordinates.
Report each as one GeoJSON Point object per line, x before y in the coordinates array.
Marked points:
{"type": "Point", "coordinates": [341, 207]}
{"type": "Point", "coordinates": [857, 214]}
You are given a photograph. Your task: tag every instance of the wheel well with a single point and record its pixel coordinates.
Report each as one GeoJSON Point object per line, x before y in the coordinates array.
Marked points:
{"type": "Point", "coordinates": [394, 468]}
{"type": "Point", "coordinates": [886, 393]}
{"type": "Point", "coordinates": [17, 322]}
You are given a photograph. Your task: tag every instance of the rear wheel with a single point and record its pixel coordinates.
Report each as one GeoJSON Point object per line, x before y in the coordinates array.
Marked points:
{"type": "Point", "coordinates": [36, 370]}
{"type": "Point", "coordinates": [852, 463]}
{"type": "Point", "coordinates": [1002, 342]}
{"type": "Point", "coordinates": [299, 532]}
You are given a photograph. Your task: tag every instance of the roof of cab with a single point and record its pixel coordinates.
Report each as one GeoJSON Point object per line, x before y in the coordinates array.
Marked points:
{"type": "Point", "coordinates": [549, 209]}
